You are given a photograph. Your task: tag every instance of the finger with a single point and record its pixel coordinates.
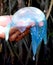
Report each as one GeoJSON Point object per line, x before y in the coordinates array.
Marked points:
{"type": "Point", "coordinates": [2, 35]}
{"type": "Point", "coordinates": [13, 36]}
{"type": "Point", "coordinates": [13, 30]}
{"type": "Point", "coordinates": [22, 35]}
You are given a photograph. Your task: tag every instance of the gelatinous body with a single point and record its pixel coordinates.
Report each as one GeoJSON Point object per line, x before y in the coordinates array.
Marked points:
{"type": "Point", "coordinates": [23, 18]}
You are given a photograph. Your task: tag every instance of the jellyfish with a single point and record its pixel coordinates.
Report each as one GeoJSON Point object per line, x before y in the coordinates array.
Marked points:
{"type": "Point", "coordinates": [25, 17]}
